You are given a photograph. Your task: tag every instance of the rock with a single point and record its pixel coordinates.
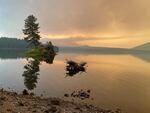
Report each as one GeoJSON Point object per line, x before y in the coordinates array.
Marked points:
{"type": "Point", "coordinates": [55, 102]}
{"type": "Point", "coordinates": [3, 98]}
{"type": "Point", "coordinates": [66, 95]}
{"type": "Point", "coordinates": [118, 110]}
{"type": "Point", "coordinates": [53, 109]}
{"type": "Point", "coordinates": [9, 110]}
{"type": "Point", "coordinates": [34, 111]}
{"type": "Point", "coordinates": [78, 108]}
{"type": "Point", "coordinates": [88, 91]}
{"type": "Point", "coordinates": [20, 104]}
{"type": "Point", "coordinates": [25, 92]}
{"type": "Point", "coordinates": [32, 94]}
{"type": "Point", "coordinates": [1, 90]}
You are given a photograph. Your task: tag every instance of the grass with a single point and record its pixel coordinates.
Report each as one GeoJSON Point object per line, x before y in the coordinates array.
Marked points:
{"type": "Point", "coordinates": [38, 54]}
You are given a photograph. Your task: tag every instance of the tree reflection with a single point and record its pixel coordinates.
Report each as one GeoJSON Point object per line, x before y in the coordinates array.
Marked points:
{"type": "Point", "coordinates": [32, 70]}
{"type": "Point", "coordinates": [31, 74]}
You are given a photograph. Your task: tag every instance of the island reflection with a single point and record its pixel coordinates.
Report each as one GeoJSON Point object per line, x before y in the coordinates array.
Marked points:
{"type": "Point", "coordinates": [32, 70]}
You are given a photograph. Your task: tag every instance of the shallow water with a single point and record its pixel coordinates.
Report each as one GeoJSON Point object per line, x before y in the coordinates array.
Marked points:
{"type": "Point", "coordinates": [115, 81]}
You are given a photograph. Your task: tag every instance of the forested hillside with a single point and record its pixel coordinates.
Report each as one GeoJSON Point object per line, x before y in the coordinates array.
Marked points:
{"type": "Point", "coordinates": [12, 43]}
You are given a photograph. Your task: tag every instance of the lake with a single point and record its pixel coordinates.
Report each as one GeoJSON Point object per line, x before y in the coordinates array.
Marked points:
{"type": "Point", "coordinates": [114, 80]}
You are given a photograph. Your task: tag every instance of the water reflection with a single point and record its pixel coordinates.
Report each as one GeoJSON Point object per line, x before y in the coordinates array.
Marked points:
{"type": "Point", "coordinates": [72, 68]}
{"type": "Point", "coordinates": [113, 82]}
{"type": "Point", "coordinates": [20, 53]}
{"type": "Point", "coordinates": [32, 70]}
{"type": "Point", "coordinates": [12, 53]}
{"type": "Point", "coordinates": [31, 74]}
{"type": "Point", "coordinates": [48, 59]}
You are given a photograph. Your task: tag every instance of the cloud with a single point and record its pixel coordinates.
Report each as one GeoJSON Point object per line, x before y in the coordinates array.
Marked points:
{"type": "Point", "coordinates": [92, 41]}
{"type": "Point", "coordinates": [78, 16]}
{"type": "Point", "coordinates": [72, 41]}
{"type": "Point", "coordinates": [91, 18]}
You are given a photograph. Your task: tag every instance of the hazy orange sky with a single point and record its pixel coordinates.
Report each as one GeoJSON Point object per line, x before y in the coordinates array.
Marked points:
{"type": "Point", "coordinates": [111, 23]}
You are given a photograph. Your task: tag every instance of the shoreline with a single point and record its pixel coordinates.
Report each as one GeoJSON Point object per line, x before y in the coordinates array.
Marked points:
{"type": "Point", "coordinates": [11, 102]}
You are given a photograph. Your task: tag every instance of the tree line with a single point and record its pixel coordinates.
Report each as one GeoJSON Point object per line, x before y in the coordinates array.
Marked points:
{"type": "Point", "coordinates": [12, 43]}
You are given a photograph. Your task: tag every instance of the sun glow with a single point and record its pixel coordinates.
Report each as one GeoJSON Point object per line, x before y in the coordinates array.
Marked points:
{"type": "Point", "coordinates": [79, 35]}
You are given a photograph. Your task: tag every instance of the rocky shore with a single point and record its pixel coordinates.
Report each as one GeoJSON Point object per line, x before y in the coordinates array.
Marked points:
{"type": "Point", "coordinates": [11, 102]}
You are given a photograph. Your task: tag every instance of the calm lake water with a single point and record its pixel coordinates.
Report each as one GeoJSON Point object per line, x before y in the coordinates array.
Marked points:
{"type": "Point", "coordinates": [115, 81]}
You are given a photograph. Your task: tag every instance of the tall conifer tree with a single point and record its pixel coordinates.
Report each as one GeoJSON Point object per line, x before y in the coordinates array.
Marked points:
{"type": "Point", "coordinates": [31, 31]}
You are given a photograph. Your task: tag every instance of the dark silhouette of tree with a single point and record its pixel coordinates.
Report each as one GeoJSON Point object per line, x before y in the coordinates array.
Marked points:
{"type": "Point", "coordinates": [31, 31]}
{"type": "Point", "coordinates": [32, 70]}
{"type": "Point", "coordinates": [40, 52]}
{"type": "Point", "coordinates": [31, 74]}
{"type": "Point", "coordinates": [49, 47]}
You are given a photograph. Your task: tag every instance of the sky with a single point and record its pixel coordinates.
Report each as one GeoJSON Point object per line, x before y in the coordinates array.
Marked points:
{"type": "Point", "coordinates": [102, 23]}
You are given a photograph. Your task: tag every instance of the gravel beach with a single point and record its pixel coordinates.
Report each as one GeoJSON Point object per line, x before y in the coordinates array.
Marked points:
{"type": "Point", "coordinates": [11, 102]}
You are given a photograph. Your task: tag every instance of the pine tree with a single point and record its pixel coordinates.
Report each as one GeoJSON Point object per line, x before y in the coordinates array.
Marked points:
{"type": "Point", "coordinates": [31, 31]}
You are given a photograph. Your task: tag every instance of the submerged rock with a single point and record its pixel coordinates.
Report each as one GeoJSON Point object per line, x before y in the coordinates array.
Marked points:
{"type": "Point", "coordinates": [81, 94]}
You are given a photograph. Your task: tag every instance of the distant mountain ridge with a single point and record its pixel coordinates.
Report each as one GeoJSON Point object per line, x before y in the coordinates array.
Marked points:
{"type": "Point", "coordinates": [145, 47]}
{"type": "Point", "coordinates": [97, 50]}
